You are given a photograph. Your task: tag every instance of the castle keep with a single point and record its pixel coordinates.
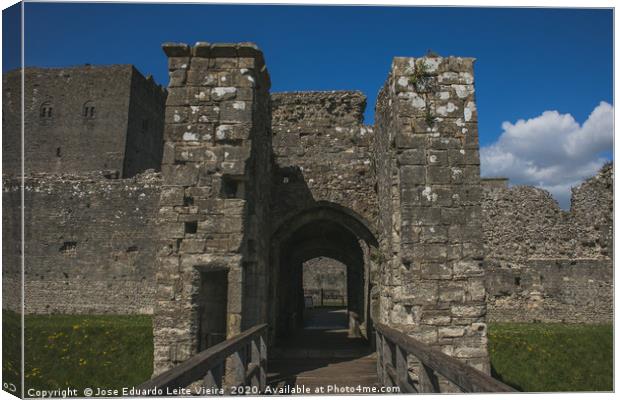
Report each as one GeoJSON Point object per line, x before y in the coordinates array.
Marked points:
{"type": "Point", "coordinates": [201, 204]}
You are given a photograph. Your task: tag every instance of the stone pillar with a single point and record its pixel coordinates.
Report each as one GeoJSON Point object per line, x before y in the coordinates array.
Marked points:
{"type": "Point", "coordinates": [216, 171]}
{"type": "Point", "coordinates": [428, 171]}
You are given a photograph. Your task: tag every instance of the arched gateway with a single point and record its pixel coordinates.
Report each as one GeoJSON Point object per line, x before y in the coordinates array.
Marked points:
{"type": "Point", "coordinates": [325, 230]}
{"type": "Point", "coordinates": [256, 184]}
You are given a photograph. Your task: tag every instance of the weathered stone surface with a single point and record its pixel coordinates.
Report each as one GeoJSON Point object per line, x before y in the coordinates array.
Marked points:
{"type": "Point", "coordinates": [254, 185]}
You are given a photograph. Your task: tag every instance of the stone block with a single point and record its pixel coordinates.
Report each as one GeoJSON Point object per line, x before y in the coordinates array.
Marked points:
{"type": "Point", "coordinates": [450, 332]}
{"type": "Point", "coordinates": [411, 175]}
{"type": "Point", "coordinates": [438, 175]}
{"type": "Point", "coordinates": [434, 234]}
{"type": "Point", "coordinates": [223, 93]}
{"type": "Point", "coordinates": [172, 230]}
{"type": "Point", "coordinates": [202, 78]}
{"type": "Point", "coordinates": [177, 115]}
{"type": "Point", "coordinates": [178, 78]}
{"type": "Point", "coordinates": [437, 157]}
{"type": "Point", "coordinates": [171, 196]}
{"type": "Point", "coordinates": [415, 292]}
{"type": "Point", "coordinates": [453, 293]}
{"type": "Point", "coordinates": [426, 216]}
{"type": "Point", "coordinates": [177, 96]}
{"type": "Point", "coordinates": [175, 63]}
{"type": "Point", "coordinates": [468, 311]}
{"type": "Point", "coordinates": [197, 96]}
{"type": "Point", "coordinates": [183, 175]}
{"type": "Point", "coordinates": [475, 289]}
{"type": "Point", "coordinates": [435, 271]}
{"type": "Point", "coordinates": [434, 251]}
{"type": "Point", "coordinates": [227, 132]}
{"type": "Point", "coordinates": [453, 216]}
{"type": "Point", "coordinates": [435, 317]}
{"type": "Point", "coordinates": [225, 62]}
{"type": "Point", "coordinates": [409, 140]}
{"type": "Point", "coordinates": [412, 157]}
{"type": "Point", "coordinates": [198, 153]}
{"type": "Point", "coordinates": [236, 112]}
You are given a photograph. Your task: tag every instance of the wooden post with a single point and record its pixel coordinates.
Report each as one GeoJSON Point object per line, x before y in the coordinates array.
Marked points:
{"type": "Point", "coordinates": [380, 368]}
{"type": "Point", "coordinates": [428, 380]}
{"type": "Point", "coordinates": [255, 360]}
{"type": "Point", "coordinates": [402, 371]}
{"type": "Point", "coordinates": [263, 361]}
{"type": "Point", "coordinates": [235, 369]}
{"type": "Point", "coordinates": [388, 361]}
{"type": "Point", "coordinates": [213, 378]}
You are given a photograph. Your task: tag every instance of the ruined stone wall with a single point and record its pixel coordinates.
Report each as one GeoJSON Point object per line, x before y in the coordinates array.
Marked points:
{"type": "Point", "coordinates": [322, 153]}
{"type": "Point", "coordinates": [71, 111]}
{"type": "Point", "coordinates": [89, 245]}
{"type": "Point", "coordinates": [547, 264]}
{"type": "Point", "coordinates": [213, 212]}
{"type": "Point", "coordinates": [426, 153]}
{"type": "Point", "coordinates": [145, 125]}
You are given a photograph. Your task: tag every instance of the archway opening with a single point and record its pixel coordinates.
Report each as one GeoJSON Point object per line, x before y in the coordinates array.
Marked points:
{"type": "Point", "coordinates": [325, 234]}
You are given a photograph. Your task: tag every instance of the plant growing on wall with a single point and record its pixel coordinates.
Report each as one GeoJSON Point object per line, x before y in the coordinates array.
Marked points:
{"type": "Point", "coordinates": [429, 117]}
{"type": "Point", "coordinates": [421, 78]}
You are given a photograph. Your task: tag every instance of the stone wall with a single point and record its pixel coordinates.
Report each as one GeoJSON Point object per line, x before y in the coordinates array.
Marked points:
{"type": "Point", "coordinates": [544, 263]}
{"type": "Point", "coordinates": [89, 245]}
{"type": "Point", "coordinates": [213, 212]}
{"type": "Point", "coordinates": [322, 153]}
{"type": "Point", "coordinates": [428, 176]}
{"type": "Point", "coordinates": [71, 111]}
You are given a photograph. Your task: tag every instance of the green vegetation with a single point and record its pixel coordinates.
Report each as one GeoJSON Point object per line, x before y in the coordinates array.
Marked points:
{"type": "Point", "coordinates": [421, 77]}
{"type": "Point", "coordinates": [429, 118]}
{"type": "Point", "coordinates": [85, 351]}
{"type": "Point", "coordinates": [117, 351]}
{"type": "Point", "coordinates": [552, 357]}
{"type": "Point", "coordinates": [11, 350]}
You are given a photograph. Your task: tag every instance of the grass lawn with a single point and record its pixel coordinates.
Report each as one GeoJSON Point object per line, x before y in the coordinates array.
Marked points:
{"type": "Point", "coordinates": [552, 357]}
{"type": "Point", "coordinates": [83, 351]}
{"type": "Point", "coordinates": [117, 351]}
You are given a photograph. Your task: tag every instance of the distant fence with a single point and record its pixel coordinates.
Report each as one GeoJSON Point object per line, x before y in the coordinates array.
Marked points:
{"type": "Point", "coordinates": [324, 297]}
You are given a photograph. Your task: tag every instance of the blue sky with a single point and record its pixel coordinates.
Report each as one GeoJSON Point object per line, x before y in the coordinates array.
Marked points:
{"type": "Point", "coordinates": [528, 60]}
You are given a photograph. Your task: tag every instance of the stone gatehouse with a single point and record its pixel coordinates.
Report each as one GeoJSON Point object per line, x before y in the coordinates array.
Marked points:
{"type": "Point", "coordinates": [204, 201]}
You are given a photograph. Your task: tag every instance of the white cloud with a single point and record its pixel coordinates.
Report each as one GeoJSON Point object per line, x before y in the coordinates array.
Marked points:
{"type": "Point", "coordinates": [551, 151]}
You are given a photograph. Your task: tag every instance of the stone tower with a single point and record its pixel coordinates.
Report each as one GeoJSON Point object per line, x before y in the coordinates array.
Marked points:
{"type": "Point", "coordinates": [428, 175]}
{"type": "Point", "coordinates": [213, 207]}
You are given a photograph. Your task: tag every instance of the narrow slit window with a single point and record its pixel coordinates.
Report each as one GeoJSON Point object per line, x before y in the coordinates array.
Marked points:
{"type": "Point", "coordinates": [46, 110]}
{"type": "Point", "coordinates": [88, 111]}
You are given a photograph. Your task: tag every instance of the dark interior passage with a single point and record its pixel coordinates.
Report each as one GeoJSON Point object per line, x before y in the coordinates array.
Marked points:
{"type": "Point", "coordinates": [318, 238]}
{"type": "Point", "coordinates": [212, 308]}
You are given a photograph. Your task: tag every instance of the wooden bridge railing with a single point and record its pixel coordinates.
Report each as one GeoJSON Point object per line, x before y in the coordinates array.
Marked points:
{"type": "Point", "coordinates": [246, 353]}
{"type": "Point", "coordinates": [393, 347]}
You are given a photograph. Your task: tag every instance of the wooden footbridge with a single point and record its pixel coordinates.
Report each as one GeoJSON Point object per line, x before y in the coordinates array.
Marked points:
{"type": "Point", "coordinates": [321, 359]}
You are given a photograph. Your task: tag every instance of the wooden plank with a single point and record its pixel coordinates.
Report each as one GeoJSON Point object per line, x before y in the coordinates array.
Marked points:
{"type": "Point", "coordinates": [428, 380]}
{"type": "Point", "coordinates": [262, 344]}
{"type": "Point", "coordinates": [196, 367]}
{"type": "Point", "coordinates": [464, 376]}
{"type": "Point", "coordinates": [402, 371]}
{"type": "Point", "coordinates": [214, 377]}
{"type": "Point", "coordinates": [250, 375]}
